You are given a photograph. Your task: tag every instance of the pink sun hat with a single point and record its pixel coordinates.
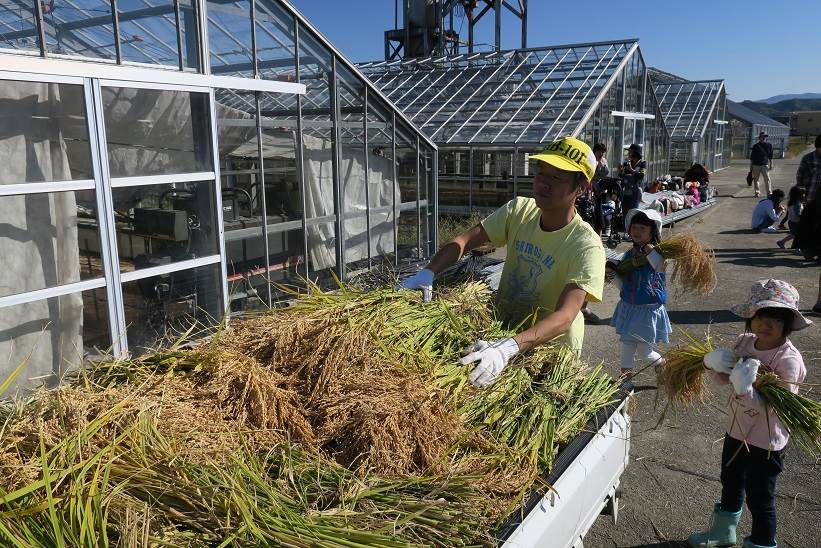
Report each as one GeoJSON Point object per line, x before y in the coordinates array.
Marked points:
{"type": "Point", "coordinates": [772, 294]}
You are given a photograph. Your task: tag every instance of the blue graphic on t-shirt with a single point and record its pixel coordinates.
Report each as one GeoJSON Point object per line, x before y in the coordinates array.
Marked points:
{"type": "Point", "coordinates": [534, 251]}
{"type": "Point", "coordinates": [526, 275]}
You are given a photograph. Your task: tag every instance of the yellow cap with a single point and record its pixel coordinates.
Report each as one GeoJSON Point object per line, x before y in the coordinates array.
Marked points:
{"type": "Point", "coordinates": [569, 154]}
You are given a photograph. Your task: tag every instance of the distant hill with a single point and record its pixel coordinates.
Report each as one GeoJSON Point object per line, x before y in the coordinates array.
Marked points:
{"type": "Point", "coordinates": [783, 107]}
{"type": "Point", "coordinates": [788, 96]}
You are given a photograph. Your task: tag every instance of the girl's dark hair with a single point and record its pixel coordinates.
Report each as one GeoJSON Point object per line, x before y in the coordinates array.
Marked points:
{"type": "Point", "coordinates": [796, 195]}
{"type": "Point", "coordinates": [777, 196]}
{"type": "Point", "coordinates": [642, 219]}
{"type": "Point", "coordinates": [784, 315]}
{"type": "Point", "coordinates": [599, 147]}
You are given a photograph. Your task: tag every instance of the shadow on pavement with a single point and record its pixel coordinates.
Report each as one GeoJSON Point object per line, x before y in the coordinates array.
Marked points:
{"type": "Point", "coordinates": [667, 544]}
{"type": "Point", "coordinates": [767, 261]}
{"type": "Point", "coordinates": [737, 231]}
{"type": "Point", "coordinates": [720, 251]}
{"type": "Point", "coordinates": [701, 317]}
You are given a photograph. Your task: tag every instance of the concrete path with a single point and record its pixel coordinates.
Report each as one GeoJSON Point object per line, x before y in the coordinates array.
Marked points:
{"type": "Point", "coordinates": [673, 478]}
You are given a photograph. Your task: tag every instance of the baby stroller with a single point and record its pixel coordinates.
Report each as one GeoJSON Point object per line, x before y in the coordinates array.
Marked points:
{"type": "Point", "coordinates": [612, 186]}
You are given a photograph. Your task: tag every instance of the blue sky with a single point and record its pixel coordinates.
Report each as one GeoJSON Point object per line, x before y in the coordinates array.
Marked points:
{"type": "Point", "coordinates": [760, 48]}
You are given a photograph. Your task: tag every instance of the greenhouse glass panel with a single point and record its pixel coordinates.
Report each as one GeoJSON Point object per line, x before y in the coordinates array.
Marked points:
{"type": "Point", "coordinates": [63, 245]}
{"type": "Point", "coordinates": [352, 176]}
{"type": "Point", "coordinates": [18, 27]}
{"type": "Point", "coordinates": [164, 224]}
{"type": "Point", "coordinates": [54, 335]}
{"type": "Point", "coordinates": [243, 202]}
{"type": "Point", "coordinates": [229, 38]}
{"type": "Point", "coordinates": [156, 132]}
{"type": "Point", "coordinates": [81, 28]}
{"type": "Point", "coordinates": [276, 53]}
{"type": "Point", "coordinates": [44, 133]}
{"type": "Point", "coordinates": [151, 37]}
{"type": "Point", "coordinates": [382, 188]}
{"type": "Point", "coordinates": [158, 309]}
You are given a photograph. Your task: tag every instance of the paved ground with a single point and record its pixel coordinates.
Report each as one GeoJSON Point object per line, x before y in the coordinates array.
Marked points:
{"type": "Point", "coordinates": [673, 477]}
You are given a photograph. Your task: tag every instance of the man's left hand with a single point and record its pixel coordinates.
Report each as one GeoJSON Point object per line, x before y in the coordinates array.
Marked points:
{"type": "Point", "coordinates": [492, 357]}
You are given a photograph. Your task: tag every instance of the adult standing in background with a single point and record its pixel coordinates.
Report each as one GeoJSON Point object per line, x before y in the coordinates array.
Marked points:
{"type": "Point", "coordinates": [761, 162]}
{"type": "Point", "coordinates": [632, 175]}
{"type": "Point", "coordinates": [602, 171]}
{"type": "Point", "coordinates": [808, 238]}
{"type": "Point", "coordinates": [808, 175]}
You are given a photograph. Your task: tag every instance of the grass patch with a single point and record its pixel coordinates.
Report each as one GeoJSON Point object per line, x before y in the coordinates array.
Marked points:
{"type": "Point", "coordinates": [797, 145]}
{"type": "Point", "coordinates": [451, 226]}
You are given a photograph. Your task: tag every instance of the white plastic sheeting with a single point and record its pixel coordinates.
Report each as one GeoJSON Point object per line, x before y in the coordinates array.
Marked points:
{"type": "Point", "coordinates": [319, 199]}
{"type": "Point", "coordinates": [38, 235]}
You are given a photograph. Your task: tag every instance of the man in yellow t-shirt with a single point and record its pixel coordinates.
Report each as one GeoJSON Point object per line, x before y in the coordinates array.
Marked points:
{"type": "Point", "coordinates": [555, 261]}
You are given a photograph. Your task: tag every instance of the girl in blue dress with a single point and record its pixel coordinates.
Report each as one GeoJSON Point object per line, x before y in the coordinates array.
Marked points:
{"type": "Point", "coordinates": [640, 318]}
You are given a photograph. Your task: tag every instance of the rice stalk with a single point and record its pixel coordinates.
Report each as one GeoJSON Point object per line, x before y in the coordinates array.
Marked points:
{"type": "Point", "coordinates": [800, 414]}
{"type": "Point", "coordinates": [693, 263]}
{"type": "Point", "coordinates": [682, 375]}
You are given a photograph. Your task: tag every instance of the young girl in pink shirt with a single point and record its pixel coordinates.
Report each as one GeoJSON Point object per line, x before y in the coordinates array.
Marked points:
{"type": "Point", "coordinates": [753, 453]}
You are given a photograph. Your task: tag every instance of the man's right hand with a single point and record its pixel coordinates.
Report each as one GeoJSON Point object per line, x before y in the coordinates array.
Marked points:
{"type": "Point", "coordinates": [421, 280]}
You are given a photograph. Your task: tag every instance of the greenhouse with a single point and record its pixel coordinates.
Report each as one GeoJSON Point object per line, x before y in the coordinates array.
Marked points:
{"type": "Point", "coordinates": [488, 111]}
{"type": "Point", "coordinates": [746, 124]}
{"type": "Point", "coordinates": [695, 114]}
{"type": "Point", "coordinates": [168, 161]}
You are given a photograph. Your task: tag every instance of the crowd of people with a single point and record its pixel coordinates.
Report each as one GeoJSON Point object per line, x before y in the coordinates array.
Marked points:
{"type": "Point", "coordinates": [555, 265]}
{"type": "Point", "coordinates": [801, 215]}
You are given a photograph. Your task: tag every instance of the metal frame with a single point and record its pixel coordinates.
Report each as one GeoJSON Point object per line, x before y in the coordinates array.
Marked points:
{"type": "Point", "coordinates": [137, 76]}
{"type": "Point", "coordinates": [50, 292]}
{"type": "Point", "coordinates": [477, 106]}
{"type": "Point", "coordinates": [286, 101]}
{"type": "Point", "coordinates": [144, 180]}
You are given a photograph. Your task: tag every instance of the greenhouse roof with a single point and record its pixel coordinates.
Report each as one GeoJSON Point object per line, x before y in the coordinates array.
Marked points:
{"type": "Point", "coordinates": [687, 106]}
{"type": "Point", "coordinates": [741, 112]}
{"type": "Point", "coordinates": [253, 40]}
{"type": "Point", "coordinates": [515, 97]}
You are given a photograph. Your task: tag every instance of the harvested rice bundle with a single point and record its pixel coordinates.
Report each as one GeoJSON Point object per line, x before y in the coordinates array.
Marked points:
{"type": "Point", "coordinates": [539, 403]}
{"type": "Point", "coordinates": [682, 375]}
{"type": "Point", "coordinates": [389, 424]}
{"type": "Point", "coordinates": [693, 263]}
{"type": "Point", "coordinates": [801, 415]}
{"type": "Point", "coordinates": [138, 489]}
{"type": "Point", "coordinates": [368, 411]}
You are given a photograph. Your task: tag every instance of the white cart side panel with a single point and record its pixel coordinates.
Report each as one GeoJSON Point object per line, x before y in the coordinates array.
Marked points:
{"type": "Point", "coordinates": [562, 518]}
{"type": "Point", "coordinates": [606, 461]}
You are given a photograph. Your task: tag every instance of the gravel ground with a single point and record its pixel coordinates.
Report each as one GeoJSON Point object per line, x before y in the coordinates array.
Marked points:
{"type": "Point", "coordinates": [673, 478]}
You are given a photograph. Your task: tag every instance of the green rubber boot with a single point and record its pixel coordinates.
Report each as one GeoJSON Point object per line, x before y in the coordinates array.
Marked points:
{"type": "Point", "coordinates": [721, 533]}
{"type": "Point", "coordinates": [749, 544]}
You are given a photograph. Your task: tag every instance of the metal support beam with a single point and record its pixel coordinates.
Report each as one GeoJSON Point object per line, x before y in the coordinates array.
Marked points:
{"type": "Point", "coordinates": [115, 23]}
{"type": "Point", "coordinates": [393, 191]}
{"type": "Point", "coordinates": [300, 157]}
{"type": "Point", "coordinates": [498, 24]}
{"type": "Point", "coordinates": [337, 172]}
{"type": "Point", "coordinates": [367, 168]}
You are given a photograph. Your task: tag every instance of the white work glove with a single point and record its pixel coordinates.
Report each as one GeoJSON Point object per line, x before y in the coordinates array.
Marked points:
{"type": "Point", "coordinates": [743, 375]}
{"type": "Point", "coordinates": [492, 357]}
{"type": "Point", "coordinates": [720, 360]}
{"type": "Point", "coordinates": [421, 280]}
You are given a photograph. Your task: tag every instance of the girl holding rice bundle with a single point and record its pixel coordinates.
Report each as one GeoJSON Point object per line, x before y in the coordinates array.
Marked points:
{"type": "Point", "coordinates": [753, 453]}
{"type": "Point", "coordinates": [640, 318]}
